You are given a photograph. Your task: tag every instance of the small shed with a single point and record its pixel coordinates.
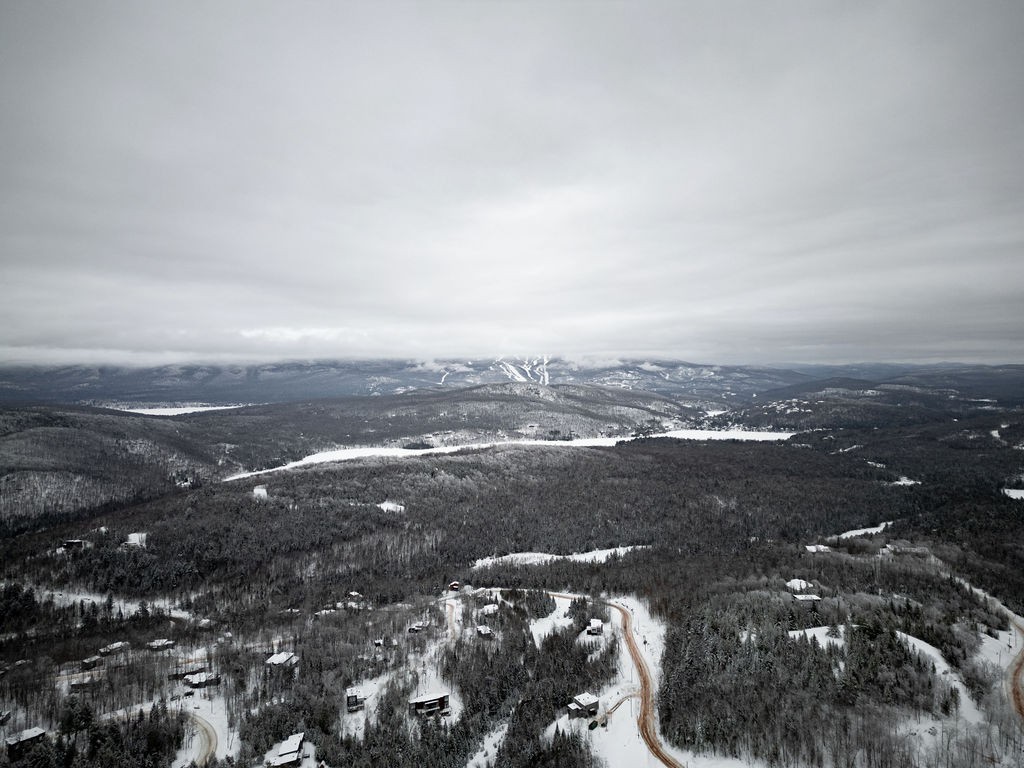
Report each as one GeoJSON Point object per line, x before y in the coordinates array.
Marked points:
{"type": "Point", "coordinates": [20, 743]}
{"type": "Point", "coordinates": [596, 627]}
{"type": "Point", "coordinates": [430, 704]}
{"type": "Point", "coordinates": [92, 662]}
{"type": "Point", "coordinates": [584, 705]}
{"type": "Point", "coordinates": [136, 541]}
{"type": "Point", "coordinates": [485, 632]}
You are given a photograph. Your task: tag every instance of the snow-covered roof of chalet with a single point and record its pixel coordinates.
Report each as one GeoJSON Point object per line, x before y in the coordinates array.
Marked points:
{"type": "Point", "coordinates": [29, 733]}
{"type": "Point", "coordinates": [282, 657]}
{"type": "Point", "coordinates": [585, 700]}
{"type": "Point", "coordinates": [426, 697]}
{"type": "Point", "coordinates": [291, 744]}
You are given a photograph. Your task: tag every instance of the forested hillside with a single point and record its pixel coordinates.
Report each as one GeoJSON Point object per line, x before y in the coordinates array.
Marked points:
{"type": "Point", "coordinates": [784, 644]}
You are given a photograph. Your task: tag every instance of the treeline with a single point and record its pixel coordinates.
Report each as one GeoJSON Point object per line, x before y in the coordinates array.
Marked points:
{"type": "Point", "coordinates": [85, 741]}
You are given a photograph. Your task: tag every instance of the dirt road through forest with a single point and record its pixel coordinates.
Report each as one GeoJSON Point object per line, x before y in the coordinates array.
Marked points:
{"type": "Point", "coordinates": [1017, 675]}
{"type": "Point", "coordinates": [645, 722]}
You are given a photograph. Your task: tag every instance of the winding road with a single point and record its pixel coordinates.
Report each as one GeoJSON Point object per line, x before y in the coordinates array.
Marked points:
{"type": "Point", "coordinates": [646, 721]}
{"type": "Point", "coordinates": [208, 739]}
{"type": "Point", "coordinates": [1017, 675]}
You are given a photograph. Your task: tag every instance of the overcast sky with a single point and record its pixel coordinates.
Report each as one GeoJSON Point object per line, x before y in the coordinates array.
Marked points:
{"type": "Point", "coordinates": [734, 182]}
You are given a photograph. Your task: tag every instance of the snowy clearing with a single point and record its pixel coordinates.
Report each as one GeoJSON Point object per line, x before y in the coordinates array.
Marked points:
{"type": "Point", "coordinates": [797, 585]}
{"type": "Point", "coordinates": [865, 531]}
{"type": "Point", "coordinates": [541, 628]}
{"type": "Point", "coordinates": [540, 558]}
{"type": "Point", "coordinates": [176, 410]}
{"type": "Point", "coordinates": [210, 710]}
{"type": "Point", "coordinates": [821, 635]}
{"type": "Point", "coordinates": [127, 607]}
{"type": "Point", "coordinates": [391, 506]}
{"type": "Point", "coordinates": [349, 454]}
{"type": "Point", "coordinates": [968, 709]}
{"type": "Point", "coordinates": [485, 755]}
{"type": "Point", "coordinates": [904, 480]}
{"type": "Point", "coordinates": [1014, 493]}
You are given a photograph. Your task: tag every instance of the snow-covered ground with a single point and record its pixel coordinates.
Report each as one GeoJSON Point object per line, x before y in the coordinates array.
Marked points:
{"type": "Point", "coordinates": [485, 755]}
{"type": "Point", "coordinates": [127, 607]}
{"type": "Point", "coordinates": [348, 454]}
{"type": "Point", "coordinates": [354, 723]}
{"type": "Point", "coordinates": [210, 708]}
{"type": "Point", "coordinates": [391, 506]}
{"type": "Point", "coordinates": [541, 558]}
{"type": "Point", "coordinates": [542, 627]}
{"type": "Point", "coordinates": [798, 585]}
{"type": "Point", "coordinates": [904, 480]}
{"type": "Point", "coordinates": [968, 709]}
{"type": "Point", "coordinates": [865, 531]}
{"type": "Point", "coordinates": [619, 743]}
{"type": "Point", "coordinates": [176, 410]}
{"type": "Point", "coordinates": [1014, 493]}
{"type": "Point", "coordinates": [821, 635]}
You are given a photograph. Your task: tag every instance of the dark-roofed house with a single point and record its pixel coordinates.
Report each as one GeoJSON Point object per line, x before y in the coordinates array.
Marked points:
{"type": "Point", "coordinates": [20, 743]}
{"type": "Point", "coordinates": [355, 699]}
{"type": "Point", "coordinates": [430, 704]}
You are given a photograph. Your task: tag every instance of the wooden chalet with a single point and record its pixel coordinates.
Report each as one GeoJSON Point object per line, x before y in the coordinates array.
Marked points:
{"type": "Point", "coordinates": [436, 703]}
{"type": "Point", "coordinates": [290, 751]}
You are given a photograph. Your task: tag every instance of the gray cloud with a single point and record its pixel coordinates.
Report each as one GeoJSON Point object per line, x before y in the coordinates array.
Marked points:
{"type": "Point", "coordinates": [729, 182]}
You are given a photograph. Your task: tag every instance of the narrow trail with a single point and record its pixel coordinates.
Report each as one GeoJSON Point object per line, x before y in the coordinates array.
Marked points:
{"type": "Point", "coordinates": [645, 722]}
{"type": "Point", "coordinates": [1017, 675]}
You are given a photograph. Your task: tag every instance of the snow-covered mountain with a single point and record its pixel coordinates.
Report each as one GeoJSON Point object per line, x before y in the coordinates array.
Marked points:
{"type": "Point", "coordinates": [699, 384]}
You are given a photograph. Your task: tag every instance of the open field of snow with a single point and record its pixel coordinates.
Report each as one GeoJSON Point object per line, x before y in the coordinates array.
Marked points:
{"type": "Point", "coordinates": [821, 635]}
{"type": "Point", "coordinates": [540, 558]}
{"type": "Point", "coordinates": [176, 410]}
{"type": "Point", "coordinates": [865, 531]}
{"type": "Point", "coordinates": [127, 607]}
{"type": "Point", "coordinates": [349, 454]}
{"type": "Point", "coordinates": [1014, 493]}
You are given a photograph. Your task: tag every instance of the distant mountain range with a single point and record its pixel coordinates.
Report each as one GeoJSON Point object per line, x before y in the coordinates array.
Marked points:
{"type": "Point", "coordinates": [294, 381]}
